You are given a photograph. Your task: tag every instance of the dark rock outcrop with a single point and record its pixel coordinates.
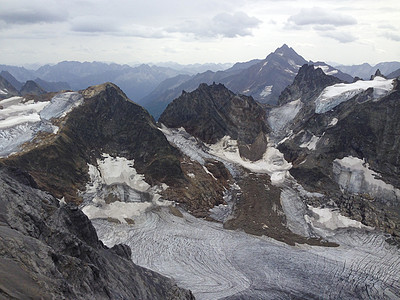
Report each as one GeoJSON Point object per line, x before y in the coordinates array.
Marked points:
{"type": "Point", "coordinates": [212, 112]}
{"type": "Point", "coordinates": [377, 74]}
{"type": "Point", "coordinates": [51, 251]}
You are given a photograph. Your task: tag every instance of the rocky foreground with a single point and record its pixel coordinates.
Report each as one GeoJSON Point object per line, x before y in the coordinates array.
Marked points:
{"type": "Point", "coordinates": [51, 251]}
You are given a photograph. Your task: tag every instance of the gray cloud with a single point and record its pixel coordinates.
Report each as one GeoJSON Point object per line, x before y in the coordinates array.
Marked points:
{"type": "Point", "coordinates": [11, 14]}
{"type": "Point", "coordinates": [342, 37]}
{"type": "Point", "coordinates": [224, 25]}
{"type": "Point", "coordinates": [392, 36]}
{"type": "Point", "coordinates": [94, 24]}
{"type": "Point", "coordinates": [320, 16]}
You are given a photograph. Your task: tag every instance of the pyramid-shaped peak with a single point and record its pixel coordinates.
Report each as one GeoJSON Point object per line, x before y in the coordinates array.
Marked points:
{"type": "Point", "coordinates": [284, 49]}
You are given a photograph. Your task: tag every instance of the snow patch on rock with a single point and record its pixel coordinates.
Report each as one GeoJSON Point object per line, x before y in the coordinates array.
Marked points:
{"type": "Point", "coordinates": [279, 117]}
{"type": "Point", "coordinates": [327, 218]}
{"type": "Point", "coordinates": [272, 163]}
{"type": "Point", "coordinates": [266, 91]}
{"type": "Point", "coordinates": [311, 144]}
{"type": "Point", "coordinates": [117, 191]}
{"type": "Point", "coordinates": [333, 122]}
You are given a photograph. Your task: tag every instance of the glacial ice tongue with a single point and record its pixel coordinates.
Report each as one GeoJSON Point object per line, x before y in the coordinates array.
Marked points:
{"type": "Point", "coordinates": [333, 95]}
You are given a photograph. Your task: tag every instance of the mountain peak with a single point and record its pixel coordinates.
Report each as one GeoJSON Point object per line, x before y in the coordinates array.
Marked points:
{"type": "Point", "coordinates": [95, 90]}
{"type": "Point", "coordinates": [31, 87]}
{"type": "Point", "coordinates": [285, 50]}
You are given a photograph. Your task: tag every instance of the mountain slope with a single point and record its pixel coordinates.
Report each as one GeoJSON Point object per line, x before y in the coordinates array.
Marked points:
{"type": "Point", "coordinates": [135, 81]}
{"type": "Point", "coordinates": [394, 74]}
{"type": "Point", "coordinates": [12, 80]}
{"type": "Point", "coordinates": [345, 133]}
{"type": "Point", "coordinates": [7, 89]}
{"type": "Point", "coordinates": [63, 156]}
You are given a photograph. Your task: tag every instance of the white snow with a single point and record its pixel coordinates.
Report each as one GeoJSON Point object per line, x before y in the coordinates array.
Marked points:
{"type": "Point", "coordinates": [209, 173]}
{"type": "Point", "coordinates": [325, 69]}
{"type": "Point", "coordinates": [311, 144]}
{"type": "Point", "coordinates": [117, 177]}
{"type": "Point", "coordinates": [355, 176]}
{"type": "Point", "coordinates": [333, 95]}
{"type": "Point", "coordinates": [264, 64]}
{"type": "Point", "coordinates": [191, 175]}
{"type": "Point", "coordinates": [116, 210]}
{"type": "Point", "coordinates": [333, 122]}
{"type": "Point", "coordinates": [280, 117]}
{"type": "Point", "coordinates": [20, 121]}
{"type": "Point", "coordinates": [120, 170]}
{"type": "Point", "coordinates": [272, 162]}
{"type": "Point", "coordinates": [19, 113]}
{"type": "Point", "coordinates": [289, 71]}
{"type": "Point", "coordinates": [266, 91]}
{"type": "Point", "coordinates": [327, 218]}
{"type": "Point", "coordinates": [3, 92]}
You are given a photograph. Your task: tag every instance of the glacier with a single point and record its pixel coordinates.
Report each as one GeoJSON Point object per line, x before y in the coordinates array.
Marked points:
{"type": "Point", "coordinates": [333, 95]}
{"type": "Point", "coordinates": [216, 263]}
{"type": "Point", "coordinates": [21, 120]}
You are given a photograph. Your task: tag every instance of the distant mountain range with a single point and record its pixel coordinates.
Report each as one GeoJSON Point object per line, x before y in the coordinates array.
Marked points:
{"type": "Point", "coordinates": [365, 70]}
{"type": "Point", "coordinates": [154, 86]}
{"type": "Point", "coordinates": [264, 80]}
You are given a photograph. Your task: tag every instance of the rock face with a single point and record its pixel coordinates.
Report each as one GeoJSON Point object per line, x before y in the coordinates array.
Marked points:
{"type": "Point", "coordinates": [212, 112]}
{"type": "Point", "coordinates": [51, 251]}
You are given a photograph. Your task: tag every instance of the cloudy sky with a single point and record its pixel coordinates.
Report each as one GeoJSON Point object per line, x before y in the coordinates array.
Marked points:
{"type": "Point", "coordinates": [197, 31]}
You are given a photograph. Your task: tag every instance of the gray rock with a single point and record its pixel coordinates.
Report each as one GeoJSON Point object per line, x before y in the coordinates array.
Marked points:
{"type": "Point", "coordinates": [50, 251]}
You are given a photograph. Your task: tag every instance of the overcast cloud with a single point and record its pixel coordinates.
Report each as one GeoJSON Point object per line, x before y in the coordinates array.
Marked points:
{"type": "Point", "coordinates": [198, 31]}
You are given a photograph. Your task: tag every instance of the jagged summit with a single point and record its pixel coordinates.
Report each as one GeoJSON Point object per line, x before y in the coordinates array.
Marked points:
{"type": "Point", "coordinates": [212, 112]}
{"type": "Point", "coordinates": [307, 85]}
{"type": "Point", "coordinates": [377, 74]}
